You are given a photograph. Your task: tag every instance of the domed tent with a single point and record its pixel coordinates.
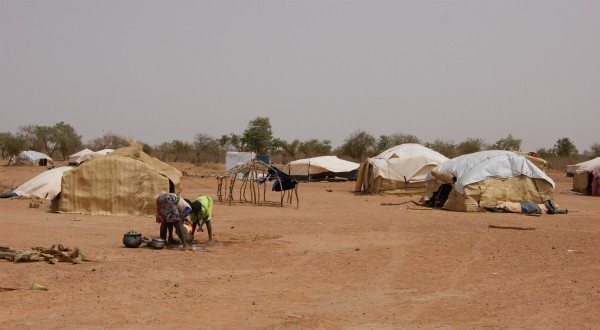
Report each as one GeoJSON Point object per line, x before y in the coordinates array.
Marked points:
{"type": "Point", "coordinates": [480, 180]}
{"type": "Point", "coordinates": [398, 170]}
{"type": "Point", "coordinates": [124, 182]}
{"type": "Point", "coordinates": [584, 175]}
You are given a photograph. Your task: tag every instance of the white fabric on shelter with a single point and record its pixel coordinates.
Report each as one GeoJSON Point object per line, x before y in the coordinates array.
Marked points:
{"type": "Point", "coordinates": [46, 185]}
{"type": "Point", "coordinates": [483, 165]}
{"type": "Point", "coordinates": [409, 162]}
{"type": "Point", "coordinates": [588, 166]}
{"type": "Point", "coordinates": [90, 155]}
{"type": "Point", "coordinates": [318, 165]}
{"type": "Point", "coordinates": [31, 156]}
{"type": "Point", "coordinates": [234, 158]}
{"type": "Point", "coordinates": [73, 158]}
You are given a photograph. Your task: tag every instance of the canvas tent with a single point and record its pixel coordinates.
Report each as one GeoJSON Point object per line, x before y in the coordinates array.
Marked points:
{"type": "Point", "coordinates": [31, 157]}
{"type": "Point", "coordinates": [124, 182]}
{"type": "Point", "coordinates": [321, 168]}
{"type": "Point", "coordinates": [398, 170]}
{"type": "Point", "coordinates": [74, 157]}
{"type": "Point", "coordinates": [46, 185]}
{"type": "Point", "coordinates": [480, 180]}
{"type": "Point", "coordinates": [584, 175]}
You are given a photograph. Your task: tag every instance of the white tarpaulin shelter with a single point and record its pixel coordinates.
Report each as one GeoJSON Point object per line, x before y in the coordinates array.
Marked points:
{"type": "Point", "coordinates": [399, 170]}
{"type": "Point", "coordinates": [46, 185]}
{"type": "Point", "coordinates": [85, 154]}
{"type": "Point", "coordinates": [482, 179]}
{"type": "Point", "coordinates": [235, 158]}
{"type": "Point", "coordinates": [324, 165]}
{"type": "Point", "coordinates": [31, 157]}
{"type": "Point", "coordinates": [588, 166]}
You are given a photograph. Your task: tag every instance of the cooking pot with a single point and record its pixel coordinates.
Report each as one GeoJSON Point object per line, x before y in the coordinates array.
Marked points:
{"type": "Point", "coordinates": [156, 243]}
{"type": "Point", "coordinates": [132, 239]}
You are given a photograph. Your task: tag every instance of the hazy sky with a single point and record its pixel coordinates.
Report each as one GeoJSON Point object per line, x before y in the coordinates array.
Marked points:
{"type": "Point", "coordinates": [165, 70]}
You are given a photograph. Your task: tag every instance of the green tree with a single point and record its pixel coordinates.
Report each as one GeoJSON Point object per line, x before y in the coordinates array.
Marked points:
{"type": "Point", "coordinates": [314, 147]}
{"type": "Point", "coordinates": [446, 148]}
{"type": "Point", "coordinates": [11, 144]}
{"type": "Point", "coordinates": [402, 138]}
{"type": "Point", "coordinates": [470, 145]}
{"type": "Point", "coordinates": [545, 153]}
{"type": "Point", "coordinates": [108, 141]}
{"type": "Point", "coordinates": [565, 148]}
{"type": "Point", "coordinates": [258, 136]}
{"type": "Point", "coordinates": [383, 143]}
{"type": "Point", "coordinates": [278, 148]}
{"type": "Point", "coordinates": [509, 143]}
{"type": "Point", "coordinates": [293, 148]}
{"type": "Point", "coordinates": [357, 146]}
{"type": "Point", "coordinates": [204, 145]}
{"type": "Point", "coordinates": [178, 148]}
{"type": "Point", "coordinates": [67, 141]}
{"type": "Point", "coordinates": [594, 151]}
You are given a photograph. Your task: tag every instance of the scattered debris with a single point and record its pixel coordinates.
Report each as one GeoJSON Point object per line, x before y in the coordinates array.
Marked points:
{"type": "Point", "coordinates": [401, 203]}
{"type": "Point", "coordinates": [511, 227]}
{"type": "Point", "coordinates": [52, 255]}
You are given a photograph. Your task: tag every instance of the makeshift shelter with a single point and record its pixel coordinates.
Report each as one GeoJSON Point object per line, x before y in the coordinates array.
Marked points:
{"type": "Point", "coordinates": [124, 182]}
{"type": "Point", "coordinates": [86, 154]}
{"type": "Point", "coordinates": [235, 158]}
{"type": "Point", "coordinates": [586, 177]}
{"type": "Point", "coordinates": [479, 181]}
{"type": "Point", "coordinates": [31, 157]}
{"type": "Point", "coordinates": [254, 175]}
{"type": "Point", "coordinates": [73, 159]}
{"type": "Point", "coordinates": [399, 170]}
{"type": "Point", "coordinates": [46, 185]}
{"type": "Point", "coordinates": [321, 168]}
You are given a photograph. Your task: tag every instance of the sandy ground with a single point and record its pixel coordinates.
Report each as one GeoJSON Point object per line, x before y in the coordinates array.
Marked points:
{"type": "Point", "coordinates": [338, 261]}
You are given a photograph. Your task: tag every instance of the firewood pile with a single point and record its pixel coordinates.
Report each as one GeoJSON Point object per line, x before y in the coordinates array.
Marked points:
{"type": "Point", "coordinates": [52, 255]}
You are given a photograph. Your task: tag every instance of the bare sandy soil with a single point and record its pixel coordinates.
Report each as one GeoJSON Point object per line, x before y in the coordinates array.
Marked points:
{"type": "Point", "coordinates": [339, 261]}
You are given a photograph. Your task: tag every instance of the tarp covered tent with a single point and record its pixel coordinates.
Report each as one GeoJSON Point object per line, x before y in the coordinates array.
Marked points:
{"type": "Point", "coordinates": [31, 157]}
{"type": "Point", "coordinates": [73, 158]}
{"type": "Point", "coordinates": [124, 182]}
{"type": "Point", "coordinates": [480, 180]}
{"type": "Point", "coordinates": [583, 175]}
{"type": "Point", "coordinates": [398, 170]}
{"type": "Point", "coordinates": [46, 185]}
{"type": "Point", "coordinates": [86, 154]}
{"type": "Point", "coordinates": [321, 168]}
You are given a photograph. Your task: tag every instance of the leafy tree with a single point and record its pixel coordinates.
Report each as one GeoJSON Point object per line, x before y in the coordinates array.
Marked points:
{"type": "Point", "coordinates": [383, 143]}
{"type": "Point", "coordinates": [66, 139]}
{"type": "Point", "coordinates": [565, 148]}
{"type": "Point", "coordinates": [231, 142]}
{"type": "Point", "coordinates": [205, 144]}
{"type": "Point", "coordinates": [11, 144]}
{"type": "Point", "coordinates": [293, 148]}
{"type": "Point", "coordinates": [594, 151]}
{"type": "Point", "coordinates": [33, 137]}
{"type": "Point", "coordinates": [314, 147]}
{"type": "Point", "coordinates": [508, 143]}
{"type": "Point", "coordinates": [470, 145]}
{"type": "Point", "coordinates": [358, 145]}
{"type": "Point", "coordinates": [278, 147]}
{"type": "Point", "coordinates": [258, 135]}
{"type": "Point", "coordinates": [446, 148]}
{"type": "Point", "coordinates": [178, 148]}
{"type": "Point", "coordinates": [108, 141]}
{"type": "Point", "coordinates": [401, 138]}
{"type": "Point", "coordinates": [546, 153]}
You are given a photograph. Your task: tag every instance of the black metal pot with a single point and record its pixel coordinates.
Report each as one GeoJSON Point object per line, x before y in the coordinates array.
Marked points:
{"type": "Point", "coordinates": [132, 239]}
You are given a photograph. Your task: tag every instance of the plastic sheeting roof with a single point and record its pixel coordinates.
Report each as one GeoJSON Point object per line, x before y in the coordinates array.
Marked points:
{"type": "Point", "coordinates": [46, 185]}
{"type": "Point", "coordinates": [409, 162]}
{"type": "Point", "coordinates": [483, 165]}
{"type": "Point", "coordinates": [318, 165]}
{"type": "Point", "coordinates": [31, 156]}
{"type": "Point", "coordinates": [588, 166]}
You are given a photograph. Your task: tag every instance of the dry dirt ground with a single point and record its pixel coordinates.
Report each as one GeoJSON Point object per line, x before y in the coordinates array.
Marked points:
{"type": "Point", "coordinates": [338, 261]}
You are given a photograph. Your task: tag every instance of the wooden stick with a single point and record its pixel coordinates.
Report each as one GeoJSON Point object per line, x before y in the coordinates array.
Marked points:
{"type": "Point", "coordinates": [511, 227]}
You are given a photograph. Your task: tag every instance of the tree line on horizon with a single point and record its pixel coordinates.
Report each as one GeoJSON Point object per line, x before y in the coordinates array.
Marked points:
{"type": "Point", "coordinates": [62, 140]}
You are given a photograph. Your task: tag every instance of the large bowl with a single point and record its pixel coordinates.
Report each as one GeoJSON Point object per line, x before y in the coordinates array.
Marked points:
{"type": "Point", "coordinates": [132, 239]}
{"type": "Point", "coordinates": [157, 243]}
